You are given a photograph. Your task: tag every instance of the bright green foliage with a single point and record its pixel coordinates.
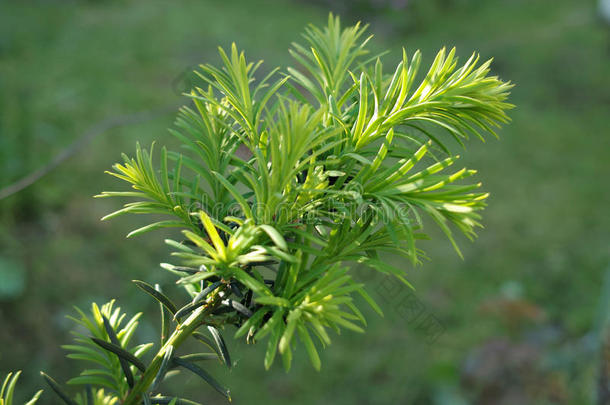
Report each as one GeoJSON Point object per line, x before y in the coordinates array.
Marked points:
{"type": "Point", "coordinates": [8, 390]}
{"type": "Point", "coordinates": [98, 397]}
{"type": "Point", "coordinates": [118, 368]}
{"type": "Point", "coordinates": [107, 371]}
{"type": "Point", "coordinates": [286, 180]}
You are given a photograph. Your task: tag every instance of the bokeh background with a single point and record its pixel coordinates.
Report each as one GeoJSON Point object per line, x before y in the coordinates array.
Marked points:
{"type": "Point", "coordinates": [520, 320]}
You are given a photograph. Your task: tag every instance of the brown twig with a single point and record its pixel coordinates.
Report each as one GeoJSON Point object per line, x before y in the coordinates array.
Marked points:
{"type": "Point", "coordinates": [80, 142]}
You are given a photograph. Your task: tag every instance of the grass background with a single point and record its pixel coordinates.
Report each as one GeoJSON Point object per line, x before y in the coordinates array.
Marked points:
{"type": "Point", "coordinates": [521, 309]}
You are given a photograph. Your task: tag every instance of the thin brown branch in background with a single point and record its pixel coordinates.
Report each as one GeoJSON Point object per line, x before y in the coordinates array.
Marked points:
{"type": "Point", "coordinates": [80, 142]}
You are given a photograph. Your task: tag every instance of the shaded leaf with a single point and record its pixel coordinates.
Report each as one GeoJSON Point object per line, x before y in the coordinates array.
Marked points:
{"type": "Point", "coordinates": [120, 352]}
{"type": "Point", "coordinates": [204, 375]}
{"type": "Point", "coordinates": [58, 390]}
{"type": "Point", "coordinates": [156, 294]}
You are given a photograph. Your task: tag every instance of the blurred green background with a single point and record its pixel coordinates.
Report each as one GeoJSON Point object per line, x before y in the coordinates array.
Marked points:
{"type": "Point", "coordinates": [516, 322]}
